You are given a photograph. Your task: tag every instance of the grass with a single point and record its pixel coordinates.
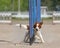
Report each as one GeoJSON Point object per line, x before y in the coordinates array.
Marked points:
{"type": "Point", "coordinates": [27, 19]}
{"type": "Point", "coordinates": [49, 18]}
{"type": "Point", "coordinates": [14, 18]}
{"type": "Point", "coordinates": [19, 20]}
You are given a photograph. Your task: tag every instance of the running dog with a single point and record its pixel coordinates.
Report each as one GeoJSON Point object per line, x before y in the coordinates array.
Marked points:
{"type": "Point", "coordinates": [37, 30]}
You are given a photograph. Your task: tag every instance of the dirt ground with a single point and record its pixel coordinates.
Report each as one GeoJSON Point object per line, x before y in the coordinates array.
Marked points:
{"type": "Point", "coordinates": [12, 36]}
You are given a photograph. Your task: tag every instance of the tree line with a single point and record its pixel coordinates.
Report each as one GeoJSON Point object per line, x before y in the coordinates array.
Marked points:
{"type": "Point", "coordinates": [12, 5]}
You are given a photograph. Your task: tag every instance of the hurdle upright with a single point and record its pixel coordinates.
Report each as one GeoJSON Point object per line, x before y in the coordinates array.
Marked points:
{"type": "Point", "coordinates": [34, 16]}
{"type": "Point", "coordinates": [38, 13]}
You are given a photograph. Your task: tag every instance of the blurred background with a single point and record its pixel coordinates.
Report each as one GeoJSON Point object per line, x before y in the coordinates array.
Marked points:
{"type": "Point", "coordinates": [47, 6]}
{"type": "Point", "coordinates": [20, 8]}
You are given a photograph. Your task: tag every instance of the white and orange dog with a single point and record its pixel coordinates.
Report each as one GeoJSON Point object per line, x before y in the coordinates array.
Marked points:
{"type": "Point", "coordinates": [37, 30]}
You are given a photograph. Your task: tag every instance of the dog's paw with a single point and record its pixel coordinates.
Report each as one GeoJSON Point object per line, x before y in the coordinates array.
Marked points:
{"type": "Point", "coordinates": [43, 41]}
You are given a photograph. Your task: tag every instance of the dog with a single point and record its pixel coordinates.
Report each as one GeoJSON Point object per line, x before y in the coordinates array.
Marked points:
{"type": "Point", "coordinates": [37, 31]}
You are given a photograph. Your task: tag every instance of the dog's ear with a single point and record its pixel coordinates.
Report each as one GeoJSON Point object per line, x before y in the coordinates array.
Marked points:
{"type": "Point", "coordinates": [35, 25]}
{"type": "Point", "coordinates": [41, 23]}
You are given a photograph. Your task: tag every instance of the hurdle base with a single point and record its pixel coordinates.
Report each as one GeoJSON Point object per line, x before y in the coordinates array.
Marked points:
{"type": "Point", "coordinates": [32, 39]}
{"type": "Point", "coordinates": [5, 21]}
{"type": "Point", "coordinates": [56, 21]}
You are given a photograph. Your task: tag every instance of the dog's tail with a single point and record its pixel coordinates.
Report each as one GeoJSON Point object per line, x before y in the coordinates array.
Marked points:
{"type": "Point", "coordinates": [22, 25]}
{"type": "Point", "coordinates": [18, 25]}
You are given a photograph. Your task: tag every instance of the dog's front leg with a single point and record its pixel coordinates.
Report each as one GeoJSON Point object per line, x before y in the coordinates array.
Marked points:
{"type": "Point", "coordinates": [40, 36]}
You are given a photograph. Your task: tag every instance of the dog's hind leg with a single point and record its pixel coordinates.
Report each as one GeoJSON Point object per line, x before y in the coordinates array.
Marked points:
{"type": "Point", "coordinates": [26, 37]}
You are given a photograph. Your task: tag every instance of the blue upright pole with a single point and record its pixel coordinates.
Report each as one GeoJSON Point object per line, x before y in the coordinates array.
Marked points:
{"type": "Point", "coordinates": [34, 12]}
{"type": "Point", "coordinates": [32, 18]}
{"type": "Point", "coordinates": [38, 11]}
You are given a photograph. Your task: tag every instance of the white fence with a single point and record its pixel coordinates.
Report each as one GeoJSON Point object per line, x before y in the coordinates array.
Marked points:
{"type": "Point", "coordinates": [56, 17]}
{"type": "Point", "coordinates": [5, 17]}
{"type": "Point", "coordinates": [26, 14]}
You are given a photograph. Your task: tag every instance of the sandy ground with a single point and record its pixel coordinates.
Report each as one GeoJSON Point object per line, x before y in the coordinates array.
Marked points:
{"type": "Point", "coordinates": [12, 36]}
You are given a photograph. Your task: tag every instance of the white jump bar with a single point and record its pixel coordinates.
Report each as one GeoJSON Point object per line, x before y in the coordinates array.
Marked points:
{"type": "Point", "coordinates": [5, 21]}
{"type": "Point", "coordinates": [56, 21]}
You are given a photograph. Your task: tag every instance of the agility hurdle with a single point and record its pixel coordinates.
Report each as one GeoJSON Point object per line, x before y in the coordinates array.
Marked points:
{"type": "Point", "coordinates": [34, 16]}
{"type": "Point", "coordinates": [56, 17]}
{"type": "Point", "coordinates": [5, 17]}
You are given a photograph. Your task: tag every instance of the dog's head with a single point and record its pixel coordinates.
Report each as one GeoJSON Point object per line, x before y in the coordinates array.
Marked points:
{"type": "Point", "coordinates": [37, 25]}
